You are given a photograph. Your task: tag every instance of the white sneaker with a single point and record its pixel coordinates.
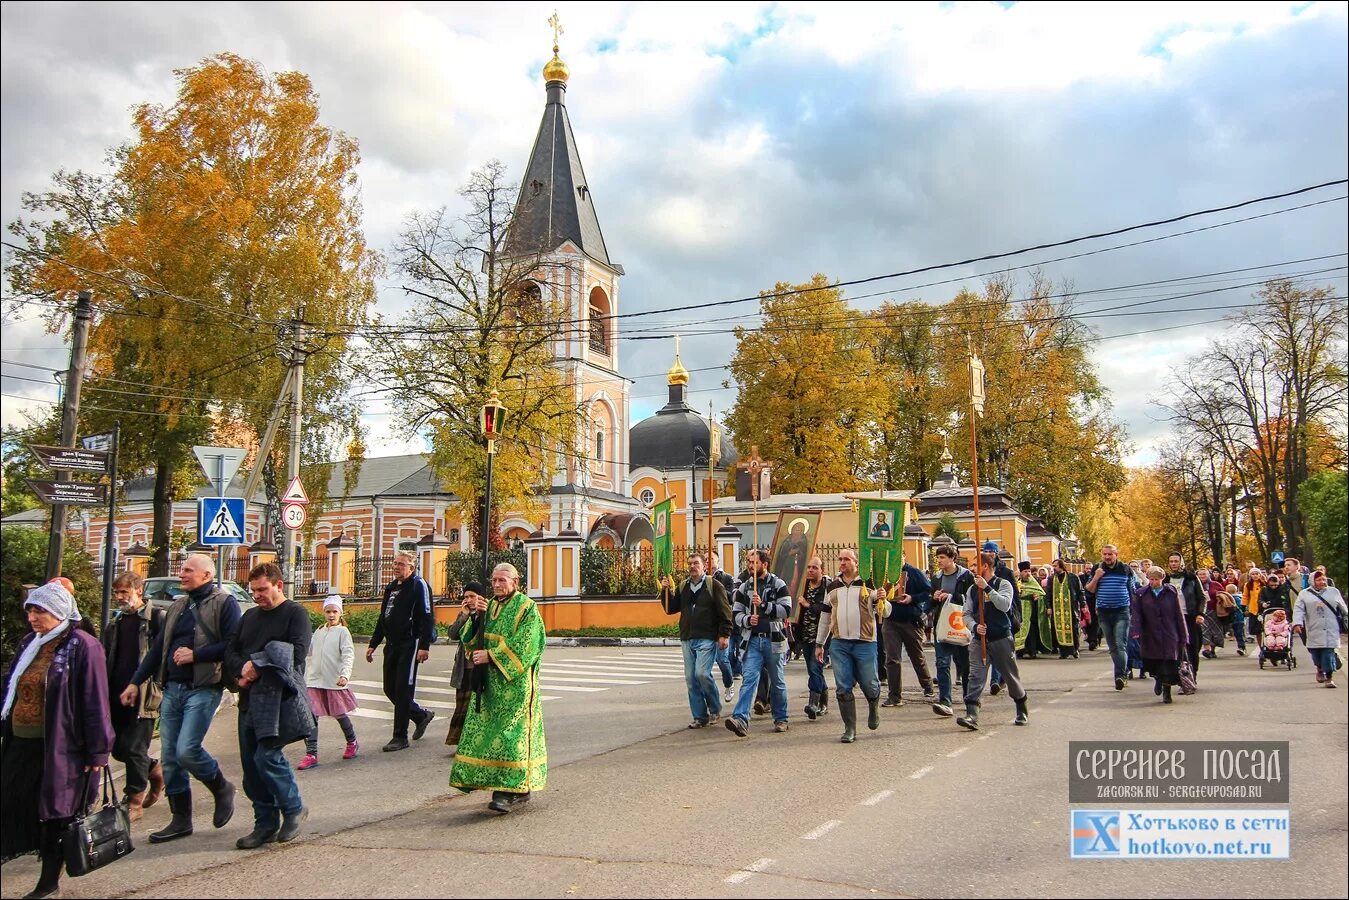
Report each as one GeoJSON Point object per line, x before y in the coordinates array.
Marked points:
{"type": "Point", "coordinates": [729, 696]}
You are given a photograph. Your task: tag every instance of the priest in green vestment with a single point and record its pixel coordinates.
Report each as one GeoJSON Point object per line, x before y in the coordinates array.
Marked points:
{"type": "Point", "coordinates": [501, 748]}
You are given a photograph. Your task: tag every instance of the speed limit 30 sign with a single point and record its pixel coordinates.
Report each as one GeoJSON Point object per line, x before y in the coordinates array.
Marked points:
{"type": "Point", "coordinates": [293, 515]}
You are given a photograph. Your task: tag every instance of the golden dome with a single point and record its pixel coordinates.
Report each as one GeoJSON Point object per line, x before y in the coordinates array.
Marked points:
{"type": "Point", "coordinates": [555, 69]}
{"type": "Point", "coordinates": [677, 374]}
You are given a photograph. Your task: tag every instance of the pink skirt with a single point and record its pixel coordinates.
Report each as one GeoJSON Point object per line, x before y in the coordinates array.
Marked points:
{"type": "Point", "coordinates": [333, 703]}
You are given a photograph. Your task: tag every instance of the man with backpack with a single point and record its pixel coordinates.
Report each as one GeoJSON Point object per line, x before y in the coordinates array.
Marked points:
{"type": "Point", "coordinates": [992, 642]}
{"type": "Point", "coordinates": [186, 661]}
{"type": "Point", "coordinates": [949, 586]}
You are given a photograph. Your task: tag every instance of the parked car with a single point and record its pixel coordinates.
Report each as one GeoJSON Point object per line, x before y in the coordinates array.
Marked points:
{"type": "Point", "coordinates": [162, 590]}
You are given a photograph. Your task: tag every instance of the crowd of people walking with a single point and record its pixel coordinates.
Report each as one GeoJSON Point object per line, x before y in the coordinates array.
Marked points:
{"type": "Point", "coordinates": [73, 701]}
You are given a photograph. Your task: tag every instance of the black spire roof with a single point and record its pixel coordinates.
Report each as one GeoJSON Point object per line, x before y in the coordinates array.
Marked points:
{"type": "Point", "coordinates": [676, 437]}
{"type": "Point", "coordinates": [555, 204]}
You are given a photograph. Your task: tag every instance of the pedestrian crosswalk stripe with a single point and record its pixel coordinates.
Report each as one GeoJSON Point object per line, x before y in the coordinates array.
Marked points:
{"type": "Point", "coordinates": [555, 677]}
{"type": "Point", "coordinates": [433, 704]}
{"type": "Point", "coordinates": [366, 713]}
{"type": "Point", "coordinates": [607, 664]}
{"type": "Point", "coordinates": [642, 662]}
{"type": "Point", "coordinates": [610, 673]}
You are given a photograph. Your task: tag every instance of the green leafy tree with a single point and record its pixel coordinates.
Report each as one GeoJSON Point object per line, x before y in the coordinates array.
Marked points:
{"type": "Point", "coordinates": [947, 525]}
{"type": "Point", "coordinates": [23, 564]}
{"type": "Point", "coordinates": [1324, 500]}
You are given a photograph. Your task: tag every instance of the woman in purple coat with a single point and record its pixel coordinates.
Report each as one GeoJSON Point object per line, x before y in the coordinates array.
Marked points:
{"type": "Point", "coordinates": [1156, 621]}
{"type": "Point", "coordinates": [56, 727]}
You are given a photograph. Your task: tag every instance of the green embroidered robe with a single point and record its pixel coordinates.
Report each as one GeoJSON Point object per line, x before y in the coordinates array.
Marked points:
{"type": "Point", "coordinates": [502, 746]}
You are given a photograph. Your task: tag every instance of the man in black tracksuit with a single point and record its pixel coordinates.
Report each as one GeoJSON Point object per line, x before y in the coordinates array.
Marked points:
{"type": "Point", "coordinates": [407, 623]}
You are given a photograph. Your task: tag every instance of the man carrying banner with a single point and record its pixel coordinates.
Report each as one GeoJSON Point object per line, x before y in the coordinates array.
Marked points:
{"type": "Point", "coordinates": [762, 606]}
{"type": "Point", "coordinates": [810, 605]}
{"type": "Point", "coordinates": [993, 637]}
{"type": "Point", "coordinates": [849, 621]}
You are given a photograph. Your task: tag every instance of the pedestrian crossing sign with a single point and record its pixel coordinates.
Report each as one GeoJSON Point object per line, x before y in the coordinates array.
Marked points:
{"type": "Point", "coordinates": [220, 520]}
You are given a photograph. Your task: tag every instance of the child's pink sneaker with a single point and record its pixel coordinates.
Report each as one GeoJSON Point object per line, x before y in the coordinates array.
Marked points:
{"type": "Point", "coordinates": [310, 760]}
{"type": "Point", "coordinates": [350, 752]}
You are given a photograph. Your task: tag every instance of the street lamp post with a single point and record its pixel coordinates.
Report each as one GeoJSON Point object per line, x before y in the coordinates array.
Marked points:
{"type": "Point", "coordinates": [491, 419]}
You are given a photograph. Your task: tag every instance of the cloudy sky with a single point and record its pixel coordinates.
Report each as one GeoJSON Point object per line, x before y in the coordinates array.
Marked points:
{"type": "Point", "coordinates": [729, 146]}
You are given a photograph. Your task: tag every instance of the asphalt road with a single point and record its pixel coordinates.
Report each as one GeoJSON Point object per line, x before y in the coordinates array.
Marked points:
{"type": "Point", "coordinates": [637, 805]}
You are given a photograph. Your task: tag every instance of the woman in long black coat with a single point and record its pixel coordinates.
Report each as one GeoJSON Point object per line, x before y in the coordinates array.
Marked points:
{"type": "Point", "coordinates": [1156, 621]}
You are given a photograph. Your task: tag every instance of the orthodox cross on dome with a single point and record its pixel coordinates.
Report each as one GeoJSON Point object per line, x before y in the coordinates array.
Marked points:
{"type": "Point", "coordinates": [556, 24]}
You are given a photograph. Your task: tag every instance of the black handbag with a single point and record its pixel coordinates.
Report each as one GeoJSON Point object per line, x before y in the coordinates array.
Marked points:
{"type": "Point", "coordinates": [95, 839]}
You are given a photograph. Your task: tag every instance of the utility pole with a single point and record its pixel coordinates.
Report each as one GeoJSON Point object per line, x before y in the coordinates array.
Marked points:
{"type": "Point", "coordinates": [297, 357]}
{"type": "Point", "coordinates": [84, 313]}
{"type": "Point", "coordinates": [110, 530]}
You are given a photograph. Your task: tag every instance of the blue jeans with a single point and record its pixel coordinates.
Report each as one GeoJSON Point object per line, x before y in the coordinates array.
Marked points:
{"type": "Point", "coordinates": [946, 655]}
{"type": "Point", "coordinates": [184, 716]}
{"type": "Point", "coordinates": [1239, 628]}
{"type": "Point", "coordinates": [814, 670]}
{"type": "Point", "coordinates": [759, 656]}
{"type": "Point", "coordinates": [1115, 625]}
{"type": "Point", "coordinates": [1324, 658]}
{"type": "Point", "coordinates": [704, 700]}
{"type": "Point", "coordinates": [269, 780]}
{"type": "Point", "coordinates": [855, 663]}
{"type": "Point", "coordinates": [737, 664]}
{"type": "Point", "coordinates": [724, 655]}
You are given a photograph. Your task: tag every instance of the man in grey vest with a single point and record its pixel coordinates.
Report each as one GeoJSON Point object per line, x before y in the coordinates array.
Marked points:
{"type": "Point", "coordinates": [186, 660]}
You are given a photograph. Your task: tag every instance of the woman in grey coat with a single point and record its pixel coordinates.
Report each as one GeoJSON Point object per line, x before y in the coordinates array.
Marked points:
{"type": "Point", "coordinates": [1316, 617]}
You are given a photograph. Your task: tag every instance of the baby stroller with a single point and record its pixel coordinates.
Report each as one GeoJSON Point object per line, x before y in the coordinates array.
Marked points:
{"type": "Point", "coordinates": [1276, 640]}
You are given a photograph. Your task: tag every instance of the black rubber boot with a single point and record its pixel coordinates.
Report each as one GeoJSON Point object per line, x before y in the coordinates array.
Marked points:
{"type": "Point", "coordinates": [257, 837]}
{"type": "Point", "coordinates": [1166, 693]}
{"type": "Point", "coordinates": [823, 706]}
{"type": "Point", "coordinates": [181, 823]}
{"type": "Point", "coordinates": [874, 712]}
{"type": "Point", "coordinates": [847, 710]}
{"type": "Point", "coordinates": [223, 792]}
{"type": "Point", "coordinates": [812, 705]}
{"type": "Point", "coordinates": [1022, 714]}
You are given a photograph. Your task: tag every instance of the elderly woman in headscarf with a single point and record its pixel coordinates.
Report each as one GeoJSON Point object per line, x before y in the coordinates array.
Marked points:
{"type": "Point", "coordinates": [1157, 623]}
{"type": "Point", "coordinates": [56, 728]}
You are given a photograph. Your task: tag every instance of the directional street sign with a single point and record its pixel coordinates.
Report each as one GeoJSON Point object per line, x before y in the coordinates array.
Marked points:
{"type": "Point", "coordinates": [293, 516]}
{"type": "Point", "coordinates": [69, 493]}
{"type": "Point", "coordinates": [72, 459]}
{"type": "Point", "coordinates": [220, 520]}
{"type": "Point", "coordinates": [98, 441]}
{"type": "Point", "coordinates": [220, 464]}
{"type": "Point", "coordinates": [295, 492]}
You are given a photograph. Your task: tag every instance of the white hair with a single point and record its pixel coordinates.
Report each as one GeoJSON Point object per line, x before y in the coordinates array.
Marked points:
{"type": "Point", "coordinates": [205, 560]}
{"type": "Point", "coordinates": [509, 569]}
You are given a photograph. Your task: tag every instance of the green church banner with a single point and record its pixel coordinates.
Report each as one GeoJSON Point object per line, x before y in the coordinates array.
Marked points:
{"type": "Point", "coordinates": [662, 519]}
{"type": "Point", "coordinates": [880, 539]}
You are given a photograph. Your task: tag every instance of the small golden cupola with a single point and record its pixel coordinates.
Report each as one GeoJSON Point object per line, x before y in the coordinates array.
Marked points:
{"type": "Point", "coordinates": [677, 374]}
{"type": "Point", "coordinates": [555, 69]}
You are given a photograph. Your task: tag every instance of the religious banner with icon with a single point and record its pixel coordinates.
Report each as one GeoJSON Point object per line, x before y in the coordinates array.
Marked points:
{"type": "Point", "coordinates": [662, 522]}
{"type": "Point", "coordinates": [880, 539]}
{"type": "Point", "coordinates": [793, 546]}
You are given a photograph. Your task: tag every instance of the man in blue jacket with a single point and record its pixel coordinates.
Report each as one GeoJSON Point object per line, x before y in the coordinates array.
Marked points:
{"type": "Point", "coordinates": [904, 628]}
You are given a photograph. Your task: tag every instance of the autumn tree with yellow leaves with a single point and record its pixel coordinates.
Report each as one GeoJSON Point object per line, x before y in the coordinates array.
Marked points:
{"type": "Point", "coordinates": [232, 212]}
{"type": "Point", "coordinates": [804, 396]}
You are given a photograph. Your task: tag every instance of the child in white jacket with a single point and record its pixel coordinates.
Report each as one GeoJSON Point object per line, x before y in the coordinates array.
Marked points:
{"type": "Point", "coordinates": [329, 668]}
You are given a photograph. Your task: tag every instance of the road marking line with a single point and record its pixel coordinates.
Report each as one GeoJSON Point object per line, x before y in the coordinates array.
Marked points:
{"type": "Point", "coordinates": [364, 713]}
{"type": "Point", "coordinates": [822, 830]}
{"type": "Point", "coordinates": [921, 772]}
{"type": "Point", "coordinates": [745, 873]}
{"type": "Point", "coordinates": [380, 698]}
{"type": "Point", "coordinates": [553, 676]}
{"type": "Point", "coordinates": [877, 798]}
{"type": "Point", "coordinates": [959, 750]}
